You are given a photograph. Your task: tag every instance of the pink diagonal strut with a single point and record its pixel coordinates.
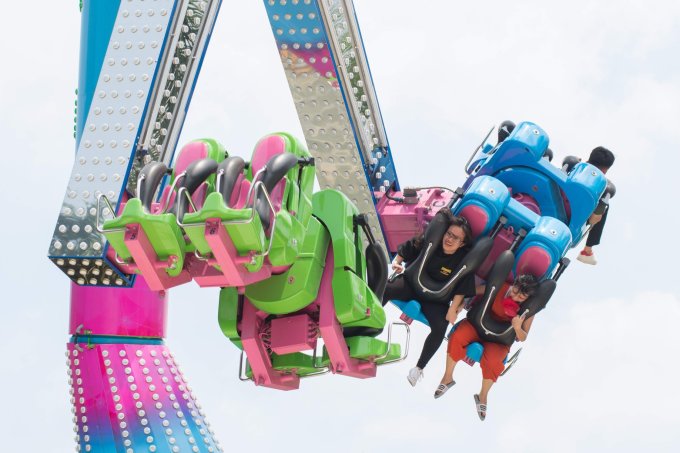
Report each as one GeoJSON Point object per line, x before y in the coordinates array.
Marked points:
{"type": "Point", "coordinates": [331, 332]}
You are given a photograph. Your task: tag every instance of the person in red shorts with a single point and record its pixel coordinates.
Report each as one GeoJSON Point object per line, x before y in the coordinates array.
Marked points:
{"type": "Point", "coordinates": [506, 307]}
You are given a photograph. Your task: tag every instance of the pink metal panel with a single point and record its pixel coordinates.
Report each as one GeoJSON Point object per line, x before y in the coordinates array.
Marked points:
{"type": "Point", "coordinates": [501, 243]}
{"type": "Point", "coordinates": [402, 221]}
{"type": "Point", "coordinates": [135, 312]}
{"type": "Point", "coordinates": [238, 196]}
{"type": "Point", "coordinates": [292, 334]}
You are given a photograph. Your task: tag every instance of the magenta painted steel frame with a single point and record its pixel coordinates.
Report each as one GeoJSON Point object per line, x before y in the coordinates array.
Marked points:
{"type": "Point", "coordinates": [258, 356]}
{"type": "Point", "coordinates": [402, 221]}
{"type": "Point", "coordinates": [131, 312]}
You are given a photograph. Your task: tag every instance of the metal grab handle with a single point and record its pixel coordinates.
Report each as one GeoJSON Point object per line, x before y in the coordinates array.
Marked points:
{"type": "Point", "coordinates": [511, 361]}
{"type": "Point", "coordinates": [172, 188]}
{"type": "Point", "coordinates": [389, 344]}
{"type": "Point", "coordinates": [242, 361]}
{"type": "Point", "coordinates": [100, 228]}
{"type": "Point", "coordinates": [185, 192]}
{"type": "Point", "coordinates": [478, 148]}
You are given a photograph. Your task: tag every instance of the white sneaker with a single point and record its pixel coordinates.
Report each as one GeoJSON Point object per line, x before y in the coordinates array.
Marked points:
{"type": "Point", "coordinates": [414, 375]}
{"type": "Point", "coordinates": [587, 258]}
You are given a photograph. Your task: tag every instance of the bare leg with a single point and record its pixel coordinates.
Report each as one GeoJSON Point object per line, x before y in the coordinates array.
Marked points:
{"type": "Point", "coordinates": [484, 392]}
{"type": "Point", "coordinates": [588, 250]}
{"type": "Point", "coordinates": [448, 372]}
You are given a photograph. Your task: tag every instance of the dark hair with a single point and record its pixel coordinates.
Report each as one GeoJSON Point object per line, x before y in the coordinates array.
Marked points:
{"type": "Point", "coordinates": [505, 129]}
{"type": "Point", "coordinates": [526, 284]}
{"type": "Point", "coordinates": [458, 221]}
{"type": "Point", "coordinates": [601, 157]}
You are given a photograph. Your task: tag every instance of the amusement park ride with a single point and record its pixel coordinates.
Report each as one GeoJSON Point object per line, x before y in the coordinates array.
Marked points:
{"type": "Point", "coordinates": [301, 273]}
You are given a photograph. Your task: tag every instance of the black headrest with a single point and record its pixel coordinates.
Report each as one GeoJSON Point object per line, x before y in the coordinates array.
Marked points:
{"type": "Point", "coordinates": [275, 169]}
{"type": "Point", "coordinates": [569, 162]}
{"type": "Point", "coordinates": [505, 129]}
{"type": "Point", "coordinates": [549, 154]}
{"type": "Point", "coordinates": [228, 172]}
{"type": "Point", "coordinates": [610, 189]}
{"type": "Point", "coordinates": [195, 174]}
{"type": "Point", "coordinates": [149, 179]}
{"type": "Point", "coordinates": [376, 269]}
{"type": "Point", "coordinates": [540, 298]}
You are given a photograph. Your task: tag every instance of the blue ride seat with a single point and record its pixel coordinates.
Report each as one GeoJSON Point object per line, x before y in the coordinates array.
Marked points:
{"type": "Point", "coordinates": [518, 162]}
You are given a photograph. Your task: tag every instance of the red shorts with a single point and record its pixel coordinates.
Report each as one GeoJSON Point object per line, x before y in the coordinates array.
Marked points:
{"type": "Point", "coordinates": [492, 358]}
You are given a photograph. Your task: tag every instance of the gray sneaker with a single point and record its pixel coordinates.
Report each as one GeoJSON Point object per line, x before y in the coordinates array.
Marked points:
{"type": "Point", "coordinates": [414, 375]}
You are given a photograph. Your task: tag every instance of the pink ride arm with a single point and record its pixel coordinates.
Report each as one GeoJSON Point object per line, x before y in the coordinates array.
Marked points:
{"type": "Point", "coordinates": [127, 392]}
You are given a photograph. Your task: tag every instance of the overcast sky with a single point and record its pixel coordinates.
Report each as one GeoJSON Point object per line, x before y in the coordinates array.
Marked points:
{"type": "Point", "coordinates": [598, 371]}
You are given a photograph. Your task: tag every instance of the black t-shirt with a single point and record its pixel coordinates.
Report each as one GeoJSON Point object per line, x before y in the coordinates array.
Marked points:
{"type": "Point", "coordinates": [440, 266]}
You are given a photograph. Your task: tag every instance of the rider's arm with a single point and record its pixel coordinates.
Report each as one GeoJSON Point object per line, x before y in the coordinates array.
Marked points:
{"type": "Point", "coordinates": [594, 218]}
{"type": "Point", "coordinates": [409, 250]}
{"type": "Point", "coordinates": [398, 264]}
{"type": "Point", "coordinates": [455, 308]}
{"type": "Point", "coordinates": [522, 326]}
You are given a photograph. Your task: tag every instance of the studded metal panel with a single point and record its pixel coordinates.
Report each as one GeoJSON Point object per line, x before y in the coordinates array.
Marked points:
{"type": "Point", "coordinates": [152, 49]}
{"type": "Point", "coordinates": [171, 92]}
{"type": "Point", "coordinates": [324, 62]}
{"type": "Point", "coordinates": [134, 398]}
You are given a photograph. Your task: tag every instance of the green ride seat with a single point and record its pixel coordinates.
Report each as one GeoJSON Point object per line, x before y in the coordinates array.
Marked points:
{"type": "Point", "coordinates": [289, 184]}
{"type": "Point", "coordinates": [242, 225]}
{"type": "Point", "coordinates": [298, 286]}
{"type": "Point", "coordinates": [193, 173]}
{"type": "Point", "coordinates": [161, 229]}
{"type": "Point", "coordinates": [355, 303]}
